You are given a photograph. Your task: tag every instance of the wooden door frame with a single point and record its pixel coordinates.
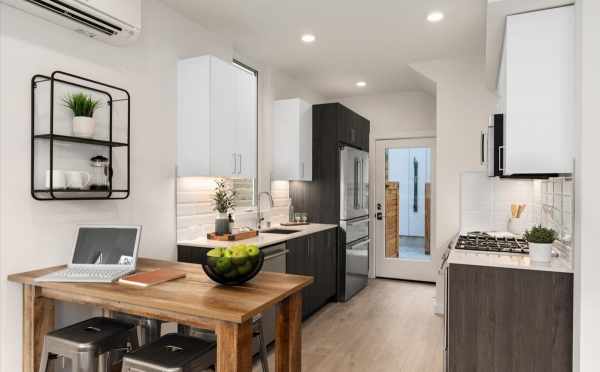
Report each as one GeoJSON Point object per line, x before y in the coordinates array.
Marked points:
{"type": "Point", "coordinates": [412, 135]}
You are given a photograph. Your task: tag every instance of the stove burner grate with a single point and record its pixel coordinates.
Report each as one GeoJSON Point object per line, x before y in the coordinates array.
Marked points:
{"type": "Point", "coordinates": [485, 242]}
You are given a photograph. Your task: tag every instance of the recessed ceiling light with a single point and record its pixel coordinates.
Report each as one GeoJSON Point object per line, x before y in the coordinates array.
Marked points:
{"type": "Point", "coordinates": [361, 84]}
{"type": "Point", "coordinates": [308, 38]}
{"type": "Point", "coordinates": [434, 17]}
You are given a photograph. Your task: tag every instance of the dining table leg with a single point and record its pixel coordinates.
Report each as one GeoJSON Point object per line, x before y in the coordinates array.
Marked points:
{"type": "Point", "coordinates": [234, 346]}
{"type": "Point", "coordinates": [38, 320]}
{"type": "Point", "coordinates": [288, 341]}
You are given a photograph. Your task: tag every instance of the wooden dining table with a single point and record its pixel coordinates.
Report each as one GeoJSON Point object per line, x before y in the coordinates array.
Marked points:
{"type": "Point", "coordinates": [194, 301]}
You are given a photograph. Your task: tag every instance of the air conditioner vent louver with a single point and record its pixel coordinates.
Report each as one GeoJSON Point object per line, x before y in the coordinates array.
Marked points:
{"type": "Point", "coordinates": [116, 22]}
{"type": "Point", "coordinates": [76, 15]}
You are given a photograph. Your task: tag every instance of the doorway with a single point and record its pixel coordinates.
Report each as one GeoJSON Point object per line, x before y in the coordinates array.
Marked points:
{"type": "Point", "coordinates": [403, 193]}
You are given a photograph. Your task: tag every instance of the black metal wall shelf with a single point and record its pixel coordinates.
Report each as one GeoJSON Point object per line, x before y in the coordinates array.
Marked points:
{"type": "Point", "coordinates": [90, 141]}
{"type": "Point", "coordinates": [49, 139]}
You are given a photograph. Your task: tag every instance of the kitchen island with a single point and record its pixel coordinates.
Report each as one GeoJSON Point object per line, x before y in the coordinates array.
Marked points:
{"type": "Point", "coordinates": [194, 301]}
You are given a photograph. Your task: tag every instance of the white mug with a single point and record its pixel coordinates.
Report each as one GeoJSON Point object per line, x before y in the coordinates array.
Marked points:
{"type": "Point", "coordinates": [59, 180]}
{"type": "Point", "coordinates": [77, 179]}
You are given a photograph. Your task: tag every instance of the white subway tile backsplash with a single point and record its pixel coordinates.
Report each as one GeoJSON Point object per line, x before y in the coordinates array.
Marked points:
{"type": "Point", "coordinates": [486, 203]}
{"type": "Point", "coordinates": [195, 214]}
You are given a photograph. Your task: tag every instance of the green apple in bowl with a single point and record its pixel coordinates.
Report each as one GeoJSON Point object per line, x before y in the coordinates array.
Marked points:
{"type": "Point", "coordinates": [240, 257]}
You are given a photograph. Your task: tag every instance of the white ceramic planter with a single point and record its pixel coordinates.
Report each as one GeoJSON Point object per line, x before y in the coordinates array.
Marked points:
{"type": "Point", "coordinates": [84, 126]}
{"type": "Point", "coordinates": [540, 252]}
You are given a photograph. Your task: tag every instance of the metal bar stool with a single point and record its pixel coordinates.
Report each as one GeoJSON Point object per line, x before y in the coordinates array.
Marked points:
{"type": "Point", "coordinates": [209, 336]}
{"type": "Point", "coordinates": [88, 344]}
{"type": "Point", "coordinates": [149, 329]}
{"type": "Point", "coordinates": [171, 353]}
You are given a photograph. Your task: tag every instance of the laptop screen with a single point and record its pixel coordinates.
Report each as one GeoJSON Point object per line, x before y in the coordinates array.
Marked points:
{"type": "Point", "coordinates": [105, 246]}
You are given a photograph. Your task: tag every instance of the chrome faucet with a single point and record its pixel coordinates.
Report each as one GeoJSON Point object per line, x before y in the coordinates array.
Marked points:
{"type": "Point", "coordinates": [259, 217]}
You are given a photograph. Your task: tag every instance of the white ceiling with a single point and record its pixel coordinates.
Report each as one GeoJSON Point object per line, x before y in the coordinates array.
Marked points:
{"type": "Point", "coordinates": [357, 40]}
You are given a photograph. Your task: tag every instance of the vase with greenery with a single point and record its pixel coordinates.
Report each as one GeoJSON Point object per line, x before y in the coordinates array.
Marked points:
{"type": "Point", "coordinates": [83, 107]}
{"type": "Point", "coordinates": [540, 243]}
{"type": "Point", "coordinates": [224, 199]}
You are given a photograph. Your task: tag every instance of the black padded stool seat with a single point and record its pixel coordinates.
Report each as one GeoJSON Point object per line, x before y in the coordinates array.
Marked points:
{"type": "Point", "coordinates": [172, 352]}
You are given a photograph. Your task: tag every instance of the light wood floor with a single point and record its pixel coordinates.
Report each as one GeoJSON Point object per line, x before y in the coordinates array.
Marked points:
{"type": "Point", "coordinates": [388, 327]}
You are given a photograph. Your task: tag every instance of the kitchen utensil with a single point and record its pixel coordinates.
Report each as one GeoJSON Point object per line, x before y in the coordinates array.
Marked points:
{"type": "Point", "coordinates": [101, 173]}
{"type": "Point", "coordinates": [59, 180]}
{"type": "Point", "coordinates": [77, 179]}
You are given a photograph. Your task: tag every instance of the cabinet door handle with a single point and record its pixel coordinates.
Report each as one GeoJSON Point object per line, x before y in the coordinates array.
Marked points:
{"type": "Point", "coordinates": [302, 170]}
{"type": "Point", "coordinates": [482, 147]}
{"type": "Point", "coordinates": [500, 159]}
{"type": "Point", "coordinates": [234, 163]}
{"type": "Point", "coordinates": [240, 170]}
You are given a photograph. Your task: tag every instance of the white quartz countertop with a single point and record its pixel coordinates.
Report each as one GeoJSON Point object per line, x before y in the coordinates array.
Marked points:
{"type": "Point", "coordinates": [263, 239]}
{"type": "Point", "coordinates": [508, 260]}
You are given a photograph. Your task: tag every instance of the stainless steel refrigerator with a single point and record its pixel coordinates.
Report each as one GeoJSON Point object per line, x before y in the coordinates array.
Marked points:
{"type": "Point", "coordinates": [354, 218]}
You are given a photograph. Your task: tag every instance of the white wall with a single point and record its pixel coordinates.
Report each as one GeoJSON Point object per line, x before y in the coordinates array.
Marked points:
{"type": "Point", "coordinates": [38, 234]}
{"type": "Point", "coordinates": [463, 108]}
{"type": "Point", "coordinates": [587, 183]}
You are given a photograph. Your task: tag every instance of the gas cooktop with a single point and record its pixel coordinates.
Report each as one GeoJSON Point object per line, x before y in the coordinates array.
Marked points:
{"type": "Point", "coordinates": [478, 241]}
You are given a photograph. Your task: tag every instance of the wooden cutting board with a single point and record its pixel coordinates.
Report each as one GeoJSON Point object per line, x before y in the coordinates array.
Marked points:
{"type": "Point", "coordinates": [233, 237]}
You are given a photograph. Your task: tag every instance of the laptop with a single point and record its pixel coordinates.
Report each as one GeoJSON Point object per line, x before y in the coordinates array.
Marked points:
{"type": "Point", "coordinates": [101, 254]}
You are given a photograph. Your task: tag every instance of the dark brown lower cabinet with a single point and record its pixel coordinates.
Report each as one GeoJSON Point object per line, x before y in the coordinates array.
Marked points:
{"type": "Point", "coordinates": [508, 320]}
{"type": "Point", "coordinates": [315, 255]}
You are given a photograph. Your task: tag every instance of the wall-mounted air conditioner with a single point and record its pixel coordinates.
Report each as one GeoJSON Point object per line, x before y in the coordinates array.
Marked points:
{"type": "Point", "coordinates": [114, 21]}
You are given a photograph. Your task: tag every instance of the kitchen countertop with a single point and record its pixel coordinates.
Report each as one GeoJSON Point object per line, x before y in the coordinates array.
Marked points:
{"type": "Point", "coordinates": [263, 239]}
{"type": "Point", "coordinates": [509, 260]}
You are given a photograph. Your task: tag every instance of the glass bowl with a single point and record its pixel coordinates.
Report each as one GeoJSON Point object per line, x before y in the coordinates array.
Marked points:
{"type": "Point", "coordinates": [233, 266]}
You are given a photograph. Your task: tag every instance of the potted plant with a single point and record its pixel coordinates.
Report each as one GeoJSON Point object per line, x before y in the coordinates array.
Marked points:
{"type": "Point", "coordinates": [540, 243]}
{"type": "Point", "coordinates": [224, 199]}
{"type": "Point", "coordinates": [83, 108]}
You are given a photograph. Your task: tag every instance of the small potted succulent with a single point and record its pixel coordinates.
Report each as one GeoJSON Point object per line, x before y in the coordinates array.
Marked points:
{"type": "Point", "coordinates": [540, 243]}
{"type": "Point", "coordinates": [83, 108]}
{"type": "Point", "coordinates": [224, 199]}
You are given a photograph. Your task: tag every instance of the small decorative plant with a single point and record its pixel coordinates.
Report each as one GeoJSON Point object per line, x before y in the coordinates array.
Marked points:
{"type": "Point", "coordinates": [83, 107]}
{"type": "Point", "coordinates": [81, 104]}
{"type": "Point", "coordinates": [224, 197]}
{"type": "Point", "coordinates": [541, 235]}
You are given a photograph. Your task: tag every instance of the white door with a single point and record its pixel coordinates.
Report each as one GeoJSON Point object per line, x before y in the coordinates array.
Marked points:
{"type": "Point", "coordinates": [223, 117]}
{"type": "Point", "coordinates": [404, 186]}
{"type": "Point", "coordinates": [246, 122]}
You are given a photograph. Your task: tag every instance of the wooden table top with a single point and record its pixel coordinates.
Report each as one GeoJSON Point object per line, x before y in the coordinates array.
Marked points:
{"type": "Point", "coordinates": [196, 295]}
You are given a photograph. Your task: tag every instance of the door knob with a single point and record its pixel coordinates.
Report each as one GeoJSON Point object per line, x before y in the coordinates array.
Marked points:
{"type": "Point", "coordinates": [379, 216]}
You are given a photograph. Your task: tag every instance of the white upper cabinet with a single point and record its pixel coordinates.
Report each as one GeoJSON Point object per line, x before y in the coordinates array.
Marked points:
{"type": "Point", "coordinates": [217, 119]}
{"type": "Point", "coordinates": [292, 140]}
{"type": "Point", "coordinates": [537, 92]}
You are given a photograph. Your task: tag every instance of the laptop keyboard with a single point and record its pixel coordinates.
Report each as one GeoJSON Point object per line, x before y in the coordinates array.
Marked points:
{"type": "Point", "coordinates": [91, 274]}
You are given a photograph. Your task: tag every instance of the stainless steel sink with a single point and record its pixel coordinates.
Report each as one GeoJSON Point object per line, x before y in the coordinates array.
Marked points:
{"type": "Point", "coordinates": [280, 231]}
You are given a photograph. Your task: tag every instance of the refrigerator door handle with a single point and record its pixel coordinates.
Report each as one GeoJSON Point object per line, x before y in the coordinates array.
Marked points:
{"type": "Point", "coordinates": [361, 179]}
{"type": "Point", "coordinates": [356, 166]}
